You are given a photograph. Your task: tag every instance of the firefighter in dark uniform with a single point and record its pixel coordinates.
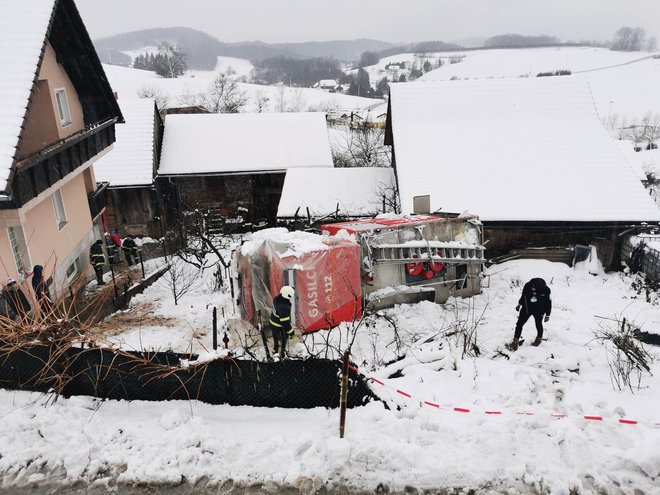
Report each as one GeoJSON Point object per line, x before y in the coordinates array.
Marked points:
{"type": "Point", "coordinates": [97, 260]}
{"type": "Point", "coordinates": [280, 319]}
{"type": "Point", "coordinates": [112, 249]}
{"type": "Point", "coordinates": [130, 250]}
{"type": "Point", "coordinates": [535, 301]}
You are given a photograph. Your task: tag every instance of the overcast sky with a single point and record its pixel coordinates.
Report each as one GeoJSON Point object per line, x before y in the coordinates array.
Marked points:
{"type": "Point", "coordinates": [388, 20]}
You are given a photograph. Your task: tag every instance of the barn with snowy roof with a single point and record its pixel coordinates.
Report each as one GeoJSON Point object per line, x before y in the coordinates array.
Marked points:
{"type": "Point", "coordinates": [529, 156]}
{"type": "Point", "coordinates": [130, 169]}
{"type": "Point", "coordinates": [233, 165]}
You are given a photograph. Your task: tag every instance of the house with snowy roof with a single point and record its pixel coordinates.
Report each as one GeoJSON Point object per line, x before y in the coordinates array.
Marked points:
{"type": "Point", "coordinates": [327, 194]}
{"type": "Point", "coordinates": [130, 169]}
{"type": "Point", "coordinates": [233, 165]}
{"type": "Point", "coordinates": [530, 157]}
{"type": "Point", "coordinates": [58, 117]}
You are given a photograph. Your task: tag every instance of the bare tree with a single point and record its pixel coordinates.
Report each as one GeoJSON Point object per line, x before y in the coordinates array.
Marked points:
{"type": "Point", "coordinates": [223, 96]}
{"type": "Point", "coordinates": [362, 146]}
{"type": "Point", "coordinates": [180, 277]}
{"type": "Point", "coordinates": [162, 98]}
{"type": "Point", "coordinates": [628, 39]}
{"type": "Point", "coordinates": [652, 44]}
{"type": "Point", "coordinates": [646, 130]}
{"type": "Point", "coordinates": [261, 100]}
{"type": "Point", "coordinates": [298, 102]}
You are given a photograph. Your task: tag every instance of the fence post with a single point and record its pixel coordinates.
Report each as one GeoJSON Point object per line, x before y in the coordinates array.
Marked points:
{"type": "Point", "coordinates": [344, 394]}
{"type": "Point", "coordinates": [141, 263]}
{"type": "Point", "coordinates": [215, 328]}
{"type": "Point", "coordinates": [225, 339]}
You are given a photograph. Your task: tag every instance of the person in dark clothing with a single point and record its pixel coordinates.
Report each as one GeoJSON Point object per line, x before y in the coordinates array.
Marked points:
{"type": "Point", "coordinates": [6, 310]}
{"type": "Point", "coordinates": [112, 248]}
{"type": "Point", "coordinates": [280, 319]}
{"type": "Point", "coordinates": [130, 250]}
{"type": "Point", "coordinates": [16, 300]}
{"type": "Point", "coordinates": [42, 291]}
{"type": "Point", "coordinates": [535, 301]}
{"type": "Point", "coordinates": [97, 260]}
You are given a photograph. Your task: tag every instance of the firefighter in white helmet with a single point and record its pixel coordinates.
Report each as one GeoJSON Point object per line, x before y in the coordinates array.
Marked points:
{"type": "Point", "coordinates": [280, 319]}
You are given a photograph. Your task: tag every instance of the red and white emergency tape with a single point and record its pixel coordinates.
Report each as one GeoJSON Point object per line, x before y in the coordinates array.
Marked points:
{"type": "Point", "coordinates": [495, 413]}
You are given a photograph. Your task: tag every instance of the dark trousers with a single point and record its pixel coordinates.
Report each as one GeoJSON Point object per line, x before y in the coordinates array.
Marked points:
{"type": "Point", "coordinates": [98, 270]}
{"type": "Point", "coordinates": [279, 336]}
{"type": "Point", "coordinates": [522, 319]}
{"type": "Point", "coordinates": [129, 257]}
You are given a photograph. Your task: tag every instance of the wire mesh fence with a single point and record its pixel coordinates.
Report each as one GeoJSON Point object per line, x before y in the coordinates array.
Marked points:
{"type": "Point", "coordinates": [110, 374]}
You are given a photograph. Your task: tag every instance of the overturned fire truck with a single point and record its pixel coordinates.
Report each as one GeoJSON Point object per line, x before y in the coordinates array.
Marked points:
{"type": "Point", "coordinates": [375, 263]}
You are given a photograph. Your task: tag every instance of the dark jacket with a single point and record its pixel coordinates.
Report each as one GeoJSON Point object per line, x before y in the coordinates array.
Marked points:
{"type": "Point", "coordinates": [17, 301]}
{"type": "Point", "coordinates": [39, 285]}
{"type": "Point", "coordinates": [96, 255]}
{"type": "Point", "coordinates": [535, 298]}
{"type": "Point", "coordinates": [281, 315]}
{"type": "Point", "coordinates": [129, 245]}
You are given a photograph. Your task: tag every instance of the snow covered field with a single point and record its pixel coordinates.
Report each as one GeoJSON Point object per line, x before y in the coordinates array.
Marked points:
{"type": "Point", "coordinates": [414, 444]}
{"type": "Point", "coordinates": [624, 84]}
{"type": "Point", "coordinates": [129, 82]}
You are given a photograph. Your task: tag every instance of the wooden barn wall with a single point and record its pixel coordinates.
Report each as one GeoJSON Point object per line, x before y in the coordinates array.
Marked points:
{"type": "Point", "coordinates": [224, 195]}
{"type": "Point", "coordinates": [132, 211]}
{"type": "Point", "coordinates": [502, 239]}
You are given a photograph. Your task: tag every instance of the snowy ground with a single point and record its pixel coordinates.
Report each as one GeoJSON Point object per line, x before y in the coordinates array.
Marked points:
{"type": "Point", "coordinates": [418, 445]}
{"type": "Point", "coordinates": [181, 91]}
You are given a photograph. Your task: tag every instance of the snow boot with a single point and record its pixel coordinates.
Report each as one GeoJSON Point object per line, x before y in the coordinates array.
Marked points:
{"type": "Point", "coordinates": [537, 342]}
{"type": "Point", "coordinates": [513, 346]}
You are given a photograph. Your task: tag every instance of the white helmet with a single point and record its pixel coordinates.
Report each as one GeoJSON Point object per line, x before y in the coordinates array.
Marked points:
{"type": "Point", "coordinates": [287, 292]}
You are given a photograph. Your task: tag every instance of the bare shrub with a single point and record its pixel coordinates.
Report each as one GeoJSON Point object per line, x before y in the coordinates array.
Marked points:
{"type": "Point", "coordinates": [627, 358]}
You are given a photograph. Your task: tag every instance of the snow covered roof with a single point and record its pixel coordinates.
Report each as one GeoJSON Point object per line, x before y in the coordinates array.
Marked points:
{"type": "Point", "coordinates": [357, 191]}
{"type": "Point", "coordinates": [226, 143]}
{"type": "Point", "coordinates": [131, 162]}
{"type": "Point", "coordinates": [23, 28]}
{"type": "Point", "coordinates": [524, 149]}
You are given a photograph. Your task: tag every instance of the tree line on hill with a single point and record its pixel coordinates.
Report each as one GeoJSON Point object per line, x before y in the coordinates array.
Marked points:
{"type": "Point", "coordinates": [169, 61]}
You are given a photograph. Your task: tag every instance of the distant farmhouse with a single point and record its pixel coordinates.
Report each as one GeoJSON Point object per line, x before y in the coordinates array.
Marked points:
{"type": "Point", "coordinates": [327, 85]}
{"type": "Point", "coordinates": [529, 156]}
{"type": "Point", "coordinates": [58, 117]}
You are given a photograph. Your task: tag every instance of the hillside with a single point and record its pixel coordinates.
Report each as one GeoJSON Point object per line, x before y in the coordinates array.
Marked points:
{"type": "Point", "coordinates": [202, 49]}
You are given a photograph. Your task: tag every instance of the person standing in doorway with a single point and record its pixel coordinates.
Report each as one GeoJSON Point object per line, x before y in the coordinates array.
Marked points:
{"type": "Point", "coordinates": [280, 319]}
{"type": "Point", "coordinates": [534, 301]}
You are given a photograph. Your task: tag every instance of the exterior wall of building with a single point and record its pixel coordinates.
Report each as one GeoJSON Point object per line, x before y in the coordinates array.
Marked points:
{"type": "Point", "coordinates": [42, 130]}
{"type": "Point", "coordinates": [47, 244]}
{"type": "Point", "coordinates": [57, 78]}
{"type": "Point", "coordinates": [252, 196]}
{"type": "Point", "coordinates": [43, 123]}
{"type": "Point", "coordinates": [503, 238]}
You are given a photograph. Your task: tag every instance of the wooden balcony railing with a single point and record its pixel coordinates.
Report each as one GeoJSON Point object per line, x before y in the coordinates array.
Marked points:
{"type": "Point", "coordinates": [37, 172]}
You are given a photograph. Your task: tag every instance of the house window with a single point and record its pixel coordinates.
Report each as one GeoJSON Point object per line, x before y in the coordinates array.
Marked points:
{"type": "Point", "coordinates": [58, 206]}
{"type": "Point", "coordinates": [19, 250]}
{"type": "Point", "coordinates": [63, 107]}
{"type": "Point", "coordinates": [72, 271]}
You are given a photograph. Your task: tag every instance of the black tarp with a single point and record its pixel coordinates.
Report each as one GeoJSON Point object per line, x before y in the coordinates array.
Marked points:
{"type": "Point", "coordinates": [108, 374]}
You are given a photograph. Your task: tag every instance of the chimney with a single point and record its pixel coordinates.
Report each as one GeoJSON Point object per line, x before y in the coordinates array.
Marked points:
{"type": "Point", "coordinates": [422, 204]}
